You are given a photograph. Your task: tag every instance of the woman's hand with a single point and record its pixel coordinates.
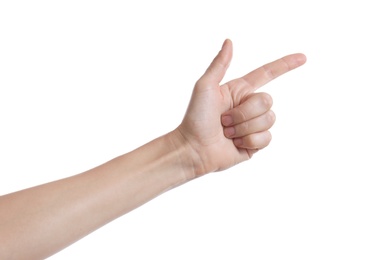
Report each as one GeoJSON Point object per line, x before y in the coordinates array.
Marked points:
{"type": "Point", "coordinates": [226, 124]}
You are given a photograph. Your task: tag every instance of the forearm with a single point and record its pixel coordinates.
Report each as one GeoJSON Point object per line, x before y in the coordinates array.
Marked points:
{"type": "Point", "coordinates": [37, 222]}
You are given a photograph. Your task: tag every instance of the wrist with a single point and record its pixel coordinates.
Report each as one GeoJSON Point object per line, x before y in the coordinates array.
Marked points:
{"type": "Point", "coordinates": [188, 158]}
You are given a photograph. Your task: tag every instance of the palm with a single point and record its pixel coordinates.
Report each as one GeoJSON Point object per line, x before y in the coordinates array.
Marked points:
{"type": "Point", "coordinates": [203, 126]}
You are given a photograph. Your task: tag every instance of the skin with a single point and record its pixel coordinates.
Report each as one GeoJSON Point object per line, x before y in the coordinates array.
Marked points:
{"type": "Point", "coordinates": [223, 126]}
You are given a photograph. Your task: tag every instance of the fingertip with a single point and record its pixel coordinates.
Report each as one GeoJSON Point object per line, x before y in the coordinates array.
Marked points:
{"type": "Point", "coordinates": [227, 50]}
{"type": "Point", "coordinates": [298, 59]}
{"type": "Point", "coordinates": [217, 69]}
{"type": "Point", "coordinates": [238, 142]}
{"type": "Point", "coordinates": [227, 120]}
{"type": "Point", "coordinates": [227, 43]}
{"type": "Point", "coordinates": [301, 58]}
{"type": "Point", "coordinates": [295, 60]}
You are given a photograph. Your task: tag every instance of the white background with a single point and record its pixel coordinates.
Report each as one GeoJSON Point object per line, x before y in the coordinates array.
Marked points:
{"type": "Point", "coordinates": [84, 81]}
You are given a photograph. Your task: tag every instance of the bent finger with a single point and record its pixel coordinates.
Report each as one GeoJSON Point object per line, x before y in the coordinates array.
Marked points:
{"type": "Point", "coordinates": [255, 125]}
{"type": "Point", "coordinates": [254, 141]}
{"type": "Point", "coordinates": [255, 105]}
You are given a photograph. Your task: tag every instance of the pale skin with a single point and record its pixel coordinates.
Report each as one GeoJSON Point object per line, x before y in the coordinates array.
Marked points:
{"type": "Point", "coordinates": [225, 124]}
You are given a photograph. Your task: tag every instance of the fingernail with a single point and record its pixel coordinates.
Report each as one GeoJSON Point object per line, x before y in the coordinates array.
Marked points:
{"type": "Point", "coordinates": [229, 131]}
{"type": "Point", "coordinates": [238, 142]}
{"type": "Point", "coordinates": [227, 120]}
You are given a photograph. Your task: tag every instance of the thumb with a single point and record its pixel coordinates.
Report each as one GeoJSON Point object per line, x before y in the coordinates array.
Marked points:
{"type": "Point", "coordinates": [217, 69]}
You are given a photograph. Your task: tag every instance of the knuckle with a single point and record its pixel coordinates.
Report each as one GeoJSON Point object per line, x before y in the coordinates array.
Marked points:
{"type": "Point", "coordinates": [270, 117]}
{"type": "Point", "coordinates": [246, 127]}
{"type": "Point", "coordinates": [200, 82]}
{"type": "Point", "coordinates": [242, 114]}
{"type": "Point", "coordinates": [266, 100]}
{"type": "Point", "coordinates": [266, 139]}
{"type": "Point", "coordinates": [268, 72]}
{"type": "Point", "coordinates": [258, 141]}
{"type": "Point", "coordinates": [249, 141]}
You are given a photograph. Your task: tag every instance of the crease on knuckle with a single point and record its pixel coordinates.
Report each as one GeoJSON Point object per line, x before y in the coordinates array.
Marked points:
{"type": "Point", "coordinates": [286, 64]}
{"type": "Point", "coordinates": [245, 127]}
{"type": "Point", "coordinates": [269, 73]}
{"type": "Point", "coordinates": [242, 115]}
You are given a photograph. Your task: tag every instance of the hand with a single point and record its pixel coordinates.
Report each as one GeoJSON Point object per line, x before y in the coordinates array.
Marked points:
{"type": "Point", "coordinates": [226, 124]}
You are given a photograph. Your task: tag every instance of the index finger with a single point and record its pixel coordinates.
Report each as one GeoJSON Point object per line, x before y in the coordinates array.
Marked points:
{"type": "Point", "coordinates": [264, 74]}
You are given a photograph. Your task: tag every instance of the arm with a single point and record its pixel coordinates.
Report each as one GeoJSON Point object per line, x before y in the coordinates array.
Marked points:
{"type": "Point", "coordinates": [224, 125]}
{"type": "Point", "coordinates": [37, 222]}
